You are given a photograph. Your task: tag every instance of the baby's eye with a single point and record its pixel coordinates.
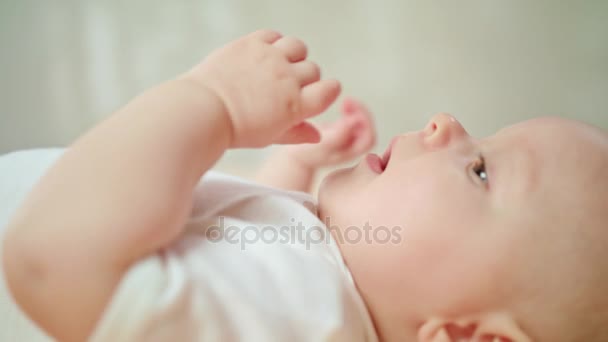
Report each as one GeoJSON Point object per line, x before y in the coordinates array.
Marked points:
{"type": "Point", "coordinates": [479, 168]}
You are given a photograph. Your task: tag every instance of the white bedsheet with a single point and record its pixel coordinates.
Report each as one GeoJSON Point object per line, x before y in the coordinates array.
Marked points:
{"type": "Point", "coordinates": [18, 173]}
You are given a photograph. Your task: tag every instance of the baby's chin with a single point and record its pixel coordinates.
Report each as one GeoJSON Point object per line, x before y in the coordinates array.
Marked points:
{"type": "Point", "coordinates": [335, 182]}
{"type": "Point", "coordinates": [332, 190]}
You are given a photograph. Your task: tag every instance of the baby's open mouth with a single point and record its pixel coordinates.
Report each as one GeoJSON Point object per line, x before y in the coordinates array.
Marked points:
{"type": "Point", "coordinates": [387, 154]}
{"type": "Point", "coordinates": [377, 163]}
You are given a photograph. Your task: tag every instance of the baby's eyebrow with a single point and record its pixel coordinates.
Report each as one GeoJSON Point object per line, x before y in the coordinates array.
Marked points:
{"type": "Point", "coordinates": [514, 168]}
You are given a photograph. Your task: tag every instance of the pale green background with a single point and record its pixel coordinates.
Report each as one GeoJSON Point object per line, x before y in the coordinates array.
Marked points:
{"type": "Point", "coordinates": [67, 64]}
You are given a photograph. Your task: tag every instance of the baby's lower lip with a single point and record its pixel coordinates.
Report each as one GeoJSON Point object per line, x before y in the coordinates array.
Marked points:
{"type": "Point", "coordinates": [374, 162]}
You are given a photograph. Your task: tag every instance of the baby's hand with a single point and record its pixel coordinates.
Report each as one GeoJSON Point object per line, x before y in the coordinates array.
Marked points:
{"type": "Point", "coordinates": [341, 140]}
{"type": "Point", "coordinates": [268, 88]}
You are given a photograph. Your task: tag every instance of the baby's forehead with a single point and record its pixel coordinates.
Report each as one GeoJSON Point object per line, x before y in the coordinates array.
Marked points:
{"type": "Point", "coordinates": [555, 135]}
{"type": "Point", "coordinates": [549, 124]}
{"type": "Point", "coordinates": [566, 154]}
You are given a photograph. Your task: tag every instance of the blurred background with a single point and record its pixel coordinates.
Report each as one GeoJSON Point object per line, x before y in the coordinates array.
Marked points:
{"type": "Point", "coordinates": [65, 65]}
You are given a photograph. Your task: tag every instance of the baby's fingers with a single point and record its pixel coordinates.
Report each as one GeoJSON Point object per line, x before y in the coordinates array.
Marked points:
{"type": "Point", "coordinates": [301, 133]}
{"type": "Point", "coordinates": [267, 36]}
{"type": "Point", "coordinates": [318, 96]}
{"type": "Point", "coordinates": [307, 72]}
{"type": "Point", "coordinates": [337, 135]}
{"type": "Point", "coordinates": [364, 130]}
{"type": "Point", "coordinates": [294, 49]}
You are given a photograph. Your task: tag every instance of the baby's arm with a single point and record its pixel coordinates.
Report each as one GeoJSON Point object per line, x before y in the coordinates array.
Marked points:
{"type": "Point", "coordinates": [295, 167]}
{"type": "Point", "coordinates": [124, 189]}
{"type": "Point", "coordinates": [120, 192]}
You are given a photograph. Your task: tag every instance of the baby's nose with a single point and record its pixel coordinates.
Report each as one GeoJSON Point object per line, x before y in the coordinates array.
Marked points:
{"type": "Point", "coordinates": [442, 130]}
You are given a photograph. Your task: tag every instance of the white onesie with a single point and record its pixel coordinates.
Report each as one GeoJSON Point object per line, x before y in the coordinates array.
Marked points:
{"type": "Point", "coordinates": [254, 263]}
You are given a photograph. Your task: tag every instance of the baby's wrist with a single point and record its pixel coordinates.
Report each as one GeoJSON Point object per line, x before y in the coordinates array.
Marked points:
{"type": "Point", "coordinates": [299, 156]}
{"type": "Point", "coordinates": [212, 100]}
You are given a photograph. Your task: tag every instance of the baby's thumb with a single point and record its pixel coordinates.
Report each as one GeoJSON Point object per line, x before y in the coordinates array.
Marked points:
{"type": "Point", "coordinates": [301, 133]}
{"type": "Point", "coordinates": [317, 97]}
{"type": "Point", "coordinates": [339, 133]}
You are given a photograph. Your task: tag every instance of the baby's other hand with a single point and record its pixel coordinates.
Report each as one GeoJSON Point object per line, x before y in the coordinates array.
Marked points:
{"type": "Point", "coordinates": [341, 141]}
{"type": "Point", "coordinates": [268, 88]}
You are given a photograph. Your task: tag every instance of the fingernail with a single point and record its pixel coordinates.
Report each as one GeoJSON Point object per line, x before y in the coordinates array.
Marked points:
{"type": "Point", "coordinates": [349, 106]}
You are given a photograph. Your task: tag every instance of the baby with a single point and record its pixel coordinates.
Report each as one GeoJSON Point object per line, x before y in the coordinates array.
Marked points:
{"type": "Point", "coordinates": [498, 239]}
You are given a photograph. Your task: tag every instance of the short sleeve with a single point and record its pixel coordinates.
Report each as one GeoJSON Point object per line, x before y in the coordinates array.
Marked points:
{"type": "Point", "coordinates": [154, 302]}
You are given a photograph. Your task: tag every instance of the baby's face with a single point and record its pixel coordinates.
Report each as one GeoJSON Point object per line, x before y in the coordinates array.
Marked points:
{"type": "Point", "coordinates": [462, 214]}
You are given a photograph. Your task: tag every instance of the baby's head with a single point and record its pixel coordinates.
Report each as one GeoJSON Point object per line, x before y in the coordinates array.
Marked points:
{"type": "Point", "coordinates": [498, 239]}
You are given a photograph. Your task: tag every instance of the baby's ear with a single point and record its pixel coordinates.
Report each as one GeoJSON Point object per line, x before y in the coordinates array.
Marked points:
{"type": "Point", "coordinates": [491, 327]}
